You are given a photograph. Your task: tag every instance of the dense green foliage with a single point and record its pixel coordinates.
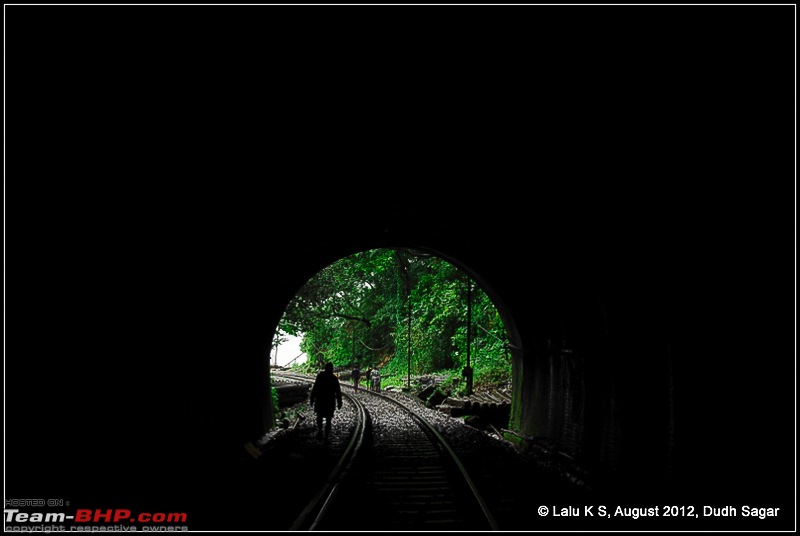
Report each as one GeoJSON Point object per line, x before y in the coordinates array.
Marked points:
{"type": "Point", "coordinates": [356, 311]}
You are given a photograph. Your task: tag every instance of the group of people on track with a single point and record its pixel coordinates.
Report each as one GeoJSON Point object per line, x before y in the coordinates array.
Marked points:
{"type": "Point", "coordinates": [372, 379]}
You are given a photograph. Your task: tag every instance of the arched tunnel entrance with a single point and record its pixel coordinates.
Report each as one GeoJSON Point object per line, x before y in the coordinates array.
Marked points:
{"type": "Point", "coordinates": [569, 382]}
{"type": "Point", "coordinates": [572, 401]}
{"type": "Point", "coordinates": [407, 313]}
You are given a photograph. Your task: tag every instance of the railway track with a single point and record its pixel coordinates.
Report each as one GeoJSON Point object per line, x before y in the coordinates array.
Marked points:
{"type": "Point", "coordinates": [396, 473]}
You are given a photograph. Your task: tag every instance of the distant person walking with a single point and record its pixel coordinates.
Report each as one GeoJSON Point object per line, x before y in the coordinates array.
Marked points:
{"type": "Point", "coordinates": [325, 396]}
{"type": "Point", "coordinates": [356, 374]}
{"type": "Point", "coordinates": [376, 381]}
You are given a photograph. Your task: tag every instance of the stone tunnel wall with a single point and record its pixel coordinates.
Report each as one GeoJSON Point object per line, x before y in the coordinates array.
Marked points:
{"type": "Point", "coordinates": [602, 396]}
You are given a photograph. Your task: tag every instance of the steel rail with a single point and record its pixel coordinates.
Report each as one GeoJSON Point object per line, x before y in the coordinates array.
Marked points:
{"type": "Point", "coordinates": [319, 503]}
{"type": "Point", "coordinates": [428, 426]}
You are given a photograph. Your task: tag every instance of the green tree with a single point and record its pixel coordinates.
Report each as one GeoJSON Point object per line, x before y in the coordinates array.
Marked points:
{"type": "Point", "coordinates": [356, 311]}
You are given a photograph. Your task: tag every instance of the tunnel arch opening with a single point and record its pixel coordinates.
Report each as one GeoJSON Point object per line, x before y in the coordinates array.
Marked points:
{"type": "Point", "coordinates": [434, 298]}
{"type": "Point", "coordinates": [575, 344]}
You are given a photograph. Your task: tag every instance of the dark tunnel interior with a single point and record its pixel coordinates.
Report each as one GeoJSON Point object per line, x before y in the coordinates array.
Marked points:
{"type": "Point", "coordinates": [143, 292]}
{"type": "Point", "coordinates": [166, 379]}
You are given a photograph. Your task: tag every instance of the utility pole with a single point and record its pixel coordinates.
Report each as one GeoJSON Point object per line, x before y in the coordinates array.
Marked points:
{"type": "Point", "coordinates": [468, 368]}
{"type": "Point", "coordinates": [408, 342]}
{"type": "Point", "coordinates": [403, 266]}
{"type": "Point", "coordinates": [469, 320]}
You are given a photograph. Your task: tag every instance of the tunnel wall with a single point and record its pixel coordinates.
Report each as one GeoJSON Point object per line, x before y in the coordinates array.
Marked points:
{"type": "Point", "coordinates": [595, 383]}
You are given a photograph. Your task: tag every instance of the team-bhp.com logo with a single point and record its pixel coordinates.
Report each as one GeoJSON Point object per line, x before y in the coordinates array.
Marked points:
{"type": "Point", "coordinates": [117, 515]}
{"type": "Point", "coordinates": [84, 519]}
{"type": "Point", "coordinates": [94, 516]}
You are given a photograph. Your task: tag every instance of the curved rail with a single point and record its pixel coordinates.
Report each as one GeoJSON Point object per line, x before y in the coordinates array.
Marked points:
{"type": "Point", "coordinates": [316, 508]}
{"type": "Point", "coordinates": [446, 446]}
{"type": "Point", "coordinates": [359, 432]}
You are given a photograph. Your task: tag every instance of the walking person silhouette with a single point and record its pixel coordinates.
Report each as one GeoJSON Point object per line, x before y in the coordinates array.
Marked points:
{"type": "Point", "coordinates": [325, 396]}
